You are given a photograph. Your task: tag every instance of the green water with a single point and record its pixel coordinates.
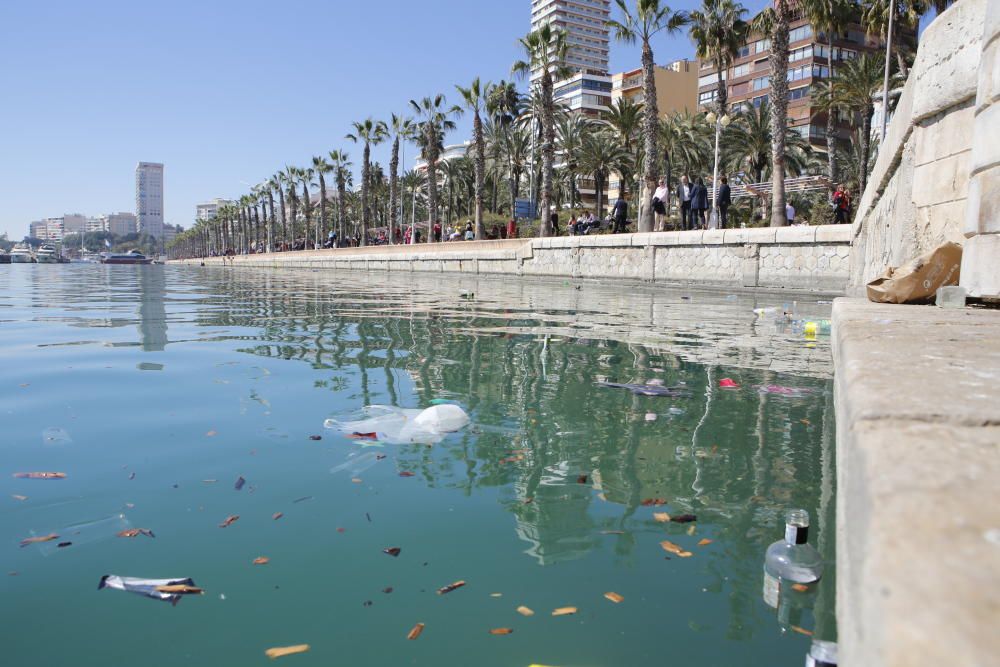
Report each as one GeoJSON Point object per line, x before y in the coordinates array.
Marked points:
{"type": "Point", "coordinates": [178, 375]}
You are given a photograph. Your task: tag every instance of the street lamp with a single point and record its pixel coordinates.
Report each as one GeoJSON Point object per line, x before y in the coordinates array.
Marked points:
{"type": "Point", "coordinates": [720, 123]}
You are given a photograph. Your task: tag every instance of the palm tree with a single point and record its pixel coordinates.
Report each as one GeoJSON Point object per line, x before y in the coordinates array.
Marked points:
{"type": "Point", "coordinates": [649, 19]}
{"type": "Point", "coordinates": [773, 22]}
{"type": "Point", "coordinates": [600, 156]}
{"type": "Point", "coordinates": [856, 83]}
{"type": "Point", "coordinates": [474, 97]}
{"type": "Point", "coordinates": [272, 184]}
{"type": "Point", "coordinates": [829, 17]}
{"type": "Point", "coordinates": [411, 181]}
{"type": "Point", "coordinates": [748, 141]}
{"type": "Point", "coordinates": [503, 103]}
{"type": "Point", "coordinates": [626, 117]}
{"type": "Point", "coordinates": [289, 180]}
{"type": "Point", "coordinates": [875, 18]}
{"type": "Point", "coordinates": [718, 30]}
{"type": "Point", "coordinates": [370, 133]}
{"type": "Point", "coordinates": [545, 50]}
{"type": "Point", "coordinates": [571, 131]}
{"type": "Point", "coordinates": [435, 124]}
{"type": "Point", "coordinates": [402, 130]}
{"type": "Point", "coordinates": [321, 167]}
{"type": "Point", "coordinates": [341, 164]}
{"type": "Point", "coordinates": [305, 177]}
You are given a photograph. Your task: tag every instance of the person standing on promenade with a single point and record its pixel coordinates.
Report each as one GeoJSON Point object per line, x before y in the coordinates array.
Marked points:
{"type": "Point", "coordinates": [789, 213]}
{"type": "Point", "coordinates": [724, 201]}
{"type": "Point", "coordinates": [620, 215]}
{"type": "Point", "coordinates": [841, 205]}
{"type": "Point", "coordinates": [699, 204]}
{"type": "Point", "coordinates": [554, 219]}
{"type": "Point", "coordinates": [512, 229]}
{"type": "Point", "coordinates": [684, 202]}
{"type": "Point", "coordinates": [659, 204]}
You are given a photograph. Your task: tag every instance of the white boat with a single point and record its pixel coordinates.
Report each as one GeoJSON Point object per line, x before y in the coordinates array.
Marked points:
{"type": "Point", "coordinates": [47, 254]}
{"type": "Point", "coordinates": [21, 254]}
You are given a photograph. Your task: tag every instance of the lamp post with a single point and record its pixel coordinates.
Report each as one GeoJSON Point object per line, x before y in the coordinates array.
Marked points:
{"type": "Point", "coordinates": [720, 123]}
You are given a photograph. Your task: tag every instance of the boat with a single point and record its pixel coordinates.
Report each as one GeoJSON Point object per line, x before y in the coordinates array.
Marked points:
{"type": "Point", "coordinates": [4, 256]}
{"type": "Point", "coordinates": [130, 257]}
{"type": "Point", "coordinates": [21, 254]}
{"type": "Point", "coordinates": [47, 254]}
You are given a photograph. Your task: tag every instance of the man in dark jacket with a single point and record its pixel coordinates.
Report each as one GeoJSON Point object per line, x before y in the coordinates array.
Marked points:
{"type": "Point", "coordinates": [699, 204]}
{"type": "Point", "coordinates": [725, 199]}
{"type": "Point", "coordinates": [620, 215]}
{"type": "Point", "coordinates": [684, 202]}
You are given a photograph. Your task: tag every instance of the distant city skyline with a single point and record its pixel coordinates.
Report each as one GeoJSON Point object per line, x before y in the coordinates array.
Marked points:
{"type": "Point", "coordinates": [115, 83]}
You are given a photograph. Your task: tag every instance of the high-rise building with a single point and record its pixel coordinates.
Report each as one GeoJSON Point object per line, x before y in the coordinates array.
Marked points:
{"type": "Point", "coordinates": [588, 90]}
{"type": "Point", "coordinates": [810, 59]}
{"type": "Point", "coordinates": [49, 229]}
{"type": "Point", "coordinates": [208, 210]}
{"type": "Point", "coordinates": [676, 86]}
{"type": "Point", "coordinates": [120, 224]}
{"type": "Point", "coordinates": [149, 198]}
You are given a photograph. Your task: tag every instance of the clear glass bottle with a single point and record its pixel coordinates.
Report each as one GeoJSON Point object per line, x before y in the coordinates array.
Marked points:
{"type": "Point", "coordinates": [793, 558]}
{"type": "Point", "coordinates": [822, 654]}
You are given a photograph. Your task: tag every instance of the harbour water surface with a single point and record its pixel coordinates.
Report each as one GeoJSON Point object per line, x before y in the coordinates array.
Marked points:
{"type": "Point", "coordinates": [154, 389]}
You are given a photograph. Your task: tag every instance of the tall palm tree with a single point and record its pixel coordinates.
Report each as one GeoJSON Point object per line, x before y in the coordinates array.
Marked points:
{"type": "Point", "coordinates": [747, 143]}
{"type": "Point", "coordinates": [411, 181]}
{"type": "Point", "coordinates": [436, 122]}
{"type": "Point", "coordinates": [829, 17]}
{"type": "Point", "coordinates": [875, 18]}
{"type": "Point", "coordinates": [474, 97]}
{"type": "Point", "coordinates": [856, 84]}
{"type": "Point", "coordinates": [649, 19]}
{"type": "Point", "coordinates": [626, 118]}
{"type": "Point", "coordinates": [545, 51]}
{"type": "Point", "coordinates": [370, 133]}
{"type": "Point", "coordinates": [774, 22]}
{"type": "Point", "coordinates": [272, 184]}
{"type": "Point", "coordinates": [600, 156]}
{"type": "Point", "coordinates": [290, 180]}
{"type": "Point", "coordinates": [718, 30]}
{"type": "Point", "coordinates": [504, 105]}
{"type": "Point", "coordinates": [321, 167]}
{"type": "Point", "coordinates": [305, 176]}
{"type": "Point", "coordinates": [570, 132]}
{"type": "Point", "coordinates": [402, 130]}
{"type": "Point", "coordinates": [341, 164]}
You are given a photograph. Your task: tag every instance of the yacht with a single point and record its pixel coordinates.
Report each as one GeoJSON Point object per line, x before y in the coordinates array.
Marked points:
{"type": "Point", "coordinates": [131, 257]}
{"type": "Point", "coordinates": [47, 254]}
{"type": "Point", "coordinates": [21, 254]}
{"type": "Point", "coordinates": [4, 256]}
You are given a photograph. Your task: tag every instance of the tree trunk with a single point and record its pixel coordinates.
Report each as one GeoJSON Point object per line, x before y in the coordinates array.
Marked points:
{"type": "Point", "coordinates": [365, 172]}
{"type": "Point", "coordinates": [831, 141]}
{"type": "Point", "coordinates": [293, 210]}
{"type": "Point", "coordinates": [432, 190]}
{"type": "Point", "coordinates": [721, 93]}
{"type": "Point", "coordinates": [779, 110]}
{"type": "Point", "coordinates": [866, 132]}
{"type": "Point", "coordinates": [270, 222]}
{"type": "Point", "coordinates": [321, 223]}
{"type": "Point", "coordinates": [393, 187]}
{"type": "Point", "coordinates": [650, 132]}
{"type": "Point", "coordinates": [341, 201]}
{"type": "Point", "coordinates": [307, 212]}
{"type": "Point", "coordinates": [480, 174]}
{"type": "Point", "coordinates": [548, 154]}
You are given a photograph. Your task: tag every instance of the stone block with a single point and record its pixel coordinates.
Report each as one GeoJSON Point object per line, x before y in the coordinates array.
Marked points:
{"type": "Point", "coordinates": [943, 135]}
{"type": "Point", "coordinates": [980, 266]}
{"type": "Point", "coordinates": [731, 236]}
{"type": "Point", "coordinates": [986, 147]}
{"type": "Point", "coordinates": [938, 224]}
{"type": "Point", "coordinates": [665, 238]}
{"type": "Point", "coordinates": [691, 238]}
{"type": "Point", "coordinates": [948, 59]}
{"type": "Point", "coordinates": [941, 181]}
{"type": "Point", "coordinates": [833, 234]}
{"type": "Point", "coordinates": [761, 234]}
{"type": "Point", "coordinates": [795, 235]}
{"type": "Point", "coordinates": [713, 236]}
{"type": "Point", "coordinates": [983, 205]}
{"type": "Point", "coordinates": [988, 90]}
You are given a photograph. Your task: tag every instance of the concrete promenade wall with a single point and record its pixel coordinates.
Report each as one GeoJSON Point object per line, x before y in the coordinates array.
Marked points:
{"type": "Point", "coordinates": [918, 195]}
{"type": "Point", "coordinates": [800, 258]}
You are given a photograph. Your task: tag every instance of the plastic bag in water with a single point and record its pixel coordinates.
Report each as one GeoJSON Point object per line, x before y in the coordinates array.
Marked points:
{"type": "Point", "coordinates": [356, 465]}
{"type": "Point", "coordinates": [400, 426]}
{"type": "Point", "coordinates": [168, 590]}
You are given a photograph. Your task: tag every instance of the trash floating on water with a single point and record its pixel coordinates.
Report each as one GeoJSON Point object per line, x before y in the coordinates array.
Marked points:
{"type": "Point", "coordinates": [40, 475]}
{"type": "Point", "coordinates": [450, 587]}
{"type": "Point", "coordinates": [788, 392]}
{"type": "Point", "coordinates": [525, 611]}
{"type": "Point", "coordinates": [55, 435]}
{"type": "Point", "coordinates": [415, 632]}
{"type": "Point", "coordinates": [661, 517]}
{"type": "Point", "coordinates": [261, 560]}
{"type": "Point", "coordinates": [229, 520]}
{"type": "Point", "coordinates": [18, 497]}
{"type": "Point", "coordinates": [277, 515]}
{"type": "Point", "coordinates": [41, 538]}
{"type": "Point", "coordinates": [315, 437]}
{"type": "Point", "coordinates": [169, 590]}
{"type": "Point", "coordinates": [704, 542]}
{"type": "Point", "coordinates": [501, 631]}
{"type": "Point", "coordinates": [614, 597]}
{"type": "Point", "coordinates": [400, 426]}
{"type": "Point", "coordinates": [282, 651]}
{"type": "Point", "coordinates": [684, 518]}
{"type": "Point", "coordinates": [392, 551]}
{"type": "Point", "coordinates": [728, 383]}
{"type": "Point", "coordinates": [649, 389]}
{"type": "Point", "coordinates": [356, 464]}
{"type": "Point", "coordinates": [653, 502]}
{"type": "Point", "coordinates": [675, 549]}
{"type": "Point", "coordinates": [564, 611]}
{"type": "Point", "coordinates": [135, 532]}
{"type": "Point", "coordinates": [239, 483]}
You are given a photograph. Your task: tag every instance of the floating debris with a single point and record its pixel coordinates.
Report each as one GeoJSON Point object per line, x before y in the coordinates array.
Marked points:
{"type": "Point", "coordinates": [239, 483]}
{"type": "Point", "coordinates": [302, 499]}
{"type": "Point", "coordinates": [392, 551]}
{"type": "Point", "coordinates": [211, 434]}
{"type": "Point", "coordinates": [652, 502]}
{"type": "Point", "coordinates": [501, 631]}
{"type": "Point", "coordinates": [282, 651]}
{"type": "Point", "coordinates": [650, 389]}
{"type": "Point", "coordinates": [135, 532]}
{"type": "Point", "coordinates": [705, 542]}
{"type": "Point", "coordinates": [614, 597]}
{"type": "Point", "coordinates": [661, 517]}
{"type": "Point", "coordinates": [277, 515]}
{"type": "Point", "coordinates": [564, 611]}
{"type": "Point", "coordinates": [40, 475]}
{"type": "Point", "coordinates": [35, 540]}
{"type": "Point", "coordinates": [399, 426]}
{"type": "Point", "coordinates": [315, 437]}
{"type": "Point", "coordinates": [18, 497]}
{"type": "Point", "coordinates": [63, 545]}
{"type": "Point", "coordinates": [525, 611]}
{"type": "Point", "coordinates": [450, 587]}
{"type": "Point", "coordinates": [684, 518]}
{"type": "Point", "coordinates": [169, 590]}
{"type": "Point", "coordinates": [261, 560]}
{"type": "Point", "coordinates": [728, 383]}
{"type": "Point", "coordinates": [582, 479]}
{"type": "Point", "coordinates": [230, 520]}
{"type": "Point", "coordinates": [675, 549]}
{"type": "Point", "coordinates": [415, 632]}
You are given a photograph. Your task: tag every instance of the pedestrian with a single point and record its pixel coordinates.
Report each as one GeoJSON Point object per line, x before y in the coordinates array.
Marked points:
{"type": "Point", "coordinates": [659, 204]}
{"type": "Point", "coordinates": [571, 225]}
{"type": "Point", "coordinates": [724, 202]}
{"type": "Point", "coordinates": [841, 205]}
{"type": "Point", "coordinates": [554, 220]}
{"type": "Point", "coordinates": [437, 231]}
{"type": "Point", "coordinates": [469, 234]}
{"type": "Point", "coordinates": [512, 229]}
{"type": "Point", "coordinates": [620, 215]}
{"type": "Point", "coordinates": [684, 200]}
{"type": "Point", "coordinates": [789, 213]}
{"type": "Point", "coordinates": [699, 204]}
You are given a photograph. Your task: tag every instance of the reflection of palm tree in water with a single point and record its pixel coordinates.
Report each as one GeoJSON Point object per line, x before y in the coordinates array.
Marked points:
{"type": "Point", "coordinates": [152, 311]}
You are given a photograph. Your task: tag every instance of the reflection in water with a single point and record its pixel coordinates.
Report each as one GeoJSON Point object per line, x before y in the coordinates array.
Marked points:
{"type": "Point", "coordinates": [574, 465]}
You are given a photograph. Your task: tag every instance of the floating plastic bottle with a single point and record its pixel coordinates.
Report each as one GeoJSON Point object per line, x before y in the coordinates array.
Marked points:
{"type": "Point", "coordinates": [793, 558]}
{"type": "Point", "coordinates": [822, 654]}
{"type": "Point", "coordinates": [818, 327]}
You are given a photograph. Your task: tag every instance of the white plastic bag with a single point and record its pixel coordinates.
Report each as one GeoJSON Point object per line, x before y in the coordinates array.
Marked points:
{"type": "Point", "coordinates": [400, 426]}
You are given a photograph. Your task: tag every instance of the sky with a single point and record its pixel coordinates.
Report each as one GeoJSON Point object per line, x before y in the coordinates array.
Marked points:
{"type": "Point", "coordinates": [227, 92]}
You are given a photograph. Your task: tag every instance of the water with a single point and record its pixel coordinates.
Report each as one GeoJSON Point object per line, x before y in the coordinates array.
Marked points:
{"type": "Point", "coordinates": [155, 388]}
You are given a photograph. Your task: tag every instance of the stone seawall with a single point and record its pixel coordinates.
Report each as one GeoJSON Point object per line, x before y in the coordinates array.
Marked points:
{"type": "Point", "coordinates": [814, 259]}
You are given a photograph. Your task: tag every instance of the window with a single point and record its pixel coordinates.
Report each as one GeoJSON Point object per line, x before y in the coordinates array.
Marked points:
{"type": "Point", "coordinates": [760, 83]}
{"type": "Point", "coordinates": [757, 101]}
{"type": "Point", "coordinates": [820, 72]}
{"type": "Point", "coordinates": [710, 79]}
{"type": "Point", "coordinates": [799, 73]}
{"type": "Point", "coordinates": [743, 52]}
{"type": "Point", "coordinates": [798, 93]}
{"type": "Point", "coordinates": [741, 70]}
{"type": "Point", "coordinates": [761, 45]}
{"type": "Point", "coordinates": [800, 33]}
{"type": "Point", "coordinates": [800, 53]}
{"type": "Point", "coordinates": [706, 97]}
{"type": "Point", "coordinates": [739, 89]}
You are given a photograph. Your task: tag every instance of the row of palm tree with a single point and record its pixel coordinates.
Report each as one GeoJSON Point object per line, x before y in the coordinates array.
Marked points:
{"type": "Point", "coordinates": [632, 142]}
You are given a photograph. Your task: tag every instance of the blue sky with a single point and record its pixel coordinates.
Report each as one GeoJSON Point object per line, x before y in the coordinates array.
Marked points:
{"type": "Point", "coordinates": [226, 92]}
